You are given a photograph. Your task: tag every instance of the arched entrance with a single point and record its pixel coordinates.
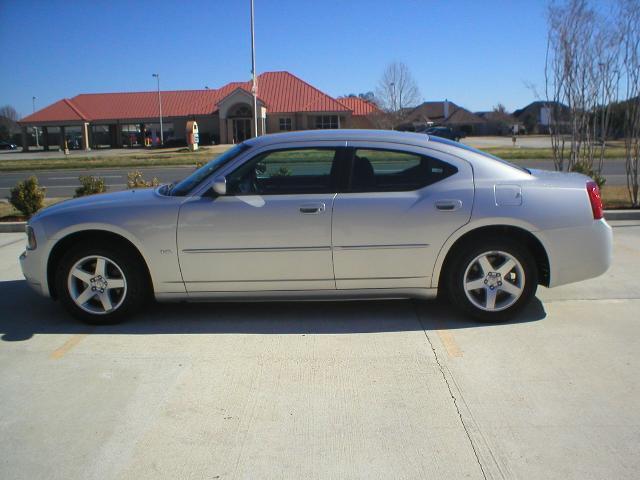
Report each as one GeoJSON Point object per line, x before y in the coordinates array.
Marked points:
{"type": "Point", "coordinates": [241, 116]}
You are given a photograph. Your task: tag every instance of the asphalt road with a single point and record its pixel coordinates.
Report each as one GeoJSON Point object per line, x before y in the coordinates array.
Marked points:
{"type": "Point", "coordinates": [62, 183]}
{"type": "Point", "coordinates": [401, 390]}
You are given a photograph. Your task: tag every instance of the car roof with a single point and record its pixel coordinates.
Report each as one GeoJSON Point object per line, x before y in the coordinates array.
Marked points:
{"type": "Point", "coordinates": [353, 135]}
{"type": "Point", "coordinates": [484, 163]}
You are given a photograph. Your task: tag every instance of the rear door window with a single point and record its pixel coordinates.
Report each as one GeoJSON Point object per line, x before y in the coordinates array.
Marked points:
{"type": "Point", "coordinates": [374, 170]}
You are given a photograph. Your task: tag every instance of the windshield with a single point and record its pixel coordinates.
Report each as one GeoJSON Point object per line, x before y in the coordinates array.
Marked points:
{"type": "Point", "coordinates": [184, 186]}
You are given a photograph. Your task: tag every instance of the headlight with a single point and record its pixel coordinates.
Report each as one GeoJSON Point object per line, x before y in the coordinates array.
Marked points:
{"type": "Point", "coordinates": [31, 238]}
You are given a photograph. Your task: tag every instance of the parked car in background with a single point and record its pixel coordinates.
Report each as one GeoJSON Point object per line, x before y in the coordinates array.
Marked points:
{"type": "Point", "coordinates": [445, 132]}
{"type": "Point", "coordinates": [346, 214]}
{"type": "Point", "coordinates": [7, 146]}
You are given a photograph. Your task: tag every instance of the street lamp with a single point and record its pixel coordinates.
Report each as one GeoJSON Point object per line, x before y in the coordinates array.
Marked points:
{"type": "Point", "coordinates": [33, 99]}
{"type": "Point", "coordinates": [157, 77]}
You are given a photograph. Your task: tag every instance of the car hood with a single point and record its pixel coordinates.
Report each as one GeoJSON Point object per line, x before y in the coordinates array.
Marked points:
{"type": "Point", "coordinates": [110, 200]}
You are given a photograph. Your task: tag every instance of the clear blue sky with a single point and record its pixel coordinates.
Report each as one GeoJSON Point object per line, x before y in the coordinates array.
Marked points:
{"type": "Point", "coordinates": [475, 53]}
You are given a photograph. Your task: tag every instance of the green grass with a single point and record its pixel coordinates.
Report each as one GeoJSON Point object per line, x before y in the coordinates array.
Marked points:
{"type": "Point", "coordinates": [110, 161]}
{"type": "Point", "coordinates": [615, 196]}
{"type": "Point", "coordinates": [540, 153]}
{"type": "Point", "coordinates": [8, 213]}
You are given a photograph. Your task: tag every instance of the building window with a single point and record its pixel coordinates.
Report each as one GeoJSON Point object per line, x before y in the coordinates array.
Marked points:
{"type": "Point", "coordinates": [327, 121]}
{"type": "Point", "coordinates": [285, 124]}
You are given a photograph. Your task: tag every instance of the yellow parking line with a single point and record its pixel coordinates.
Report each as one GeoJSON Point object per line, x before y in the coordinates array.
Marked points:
{"type": "Point", "coordinates": [446, 337]}
{"type": "Point", "coordinates": [58, 353]}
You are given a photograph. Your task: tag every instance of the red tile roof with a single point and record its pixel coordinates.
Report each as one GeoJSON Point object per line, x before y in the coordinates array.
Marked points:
{"type": "Point", "coordinates": [281, 92]}
{"type": "Point", "coordinates": [359, 106]}
{"type": "Point", "coordinates": [63, 111]}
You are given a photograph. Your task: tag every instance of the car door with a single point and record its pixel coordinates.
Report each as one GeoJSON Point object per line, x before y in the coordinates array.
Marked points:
{"type": "Point", "coordinates": [403, 203]}
{"type": "Point", "coordinates": [271, 231]}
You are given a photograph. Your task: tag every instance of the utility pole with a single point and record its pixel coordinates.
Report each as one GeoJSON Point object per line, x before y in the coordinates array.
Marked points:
{"type": "Point", "coordinates": [35, 129]}
{"type": "Point", "coordinates": [157, 76]}
{"type": "Point", "coordinates": [254, 84]}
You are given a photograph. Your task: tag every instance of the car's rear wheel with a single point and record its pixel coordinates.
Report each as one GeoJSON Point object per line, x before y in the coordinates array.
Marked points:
{"type": "Point", "coordinates": [492, 280]}
{"type": "Point", "coordinates": [100, 285]}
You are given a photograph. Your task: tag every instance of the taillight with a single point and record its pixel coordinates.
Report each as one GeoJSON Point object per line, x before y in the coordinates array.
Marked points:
{"type": "Point", "coordinates": [31, 238]}
{"type": "Point", "coordinates": [595, 199]}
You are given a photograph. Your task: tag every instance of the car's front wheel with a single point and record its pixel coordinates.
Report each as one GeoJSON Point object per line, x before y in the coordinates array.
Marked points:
{"type": "Point", "coordinates": [493, 280]}
{"type": "Point", "coordinates": [100, 285]}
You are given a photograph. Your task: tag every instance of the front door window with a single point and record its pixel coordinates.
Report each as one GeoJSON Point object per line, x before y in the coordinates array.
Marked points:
{"type": "Point", "coordinates": [288, 172]}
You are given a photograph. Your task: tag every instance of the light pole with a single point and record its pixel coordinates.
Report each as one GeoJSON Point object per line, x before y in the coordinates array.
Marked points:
{"type": "Point", "coordinates": [35, 129]}
{"type": "Point", "coordinates": [157, 77]}
{"type": "Point", "coordinates": [254, 84]}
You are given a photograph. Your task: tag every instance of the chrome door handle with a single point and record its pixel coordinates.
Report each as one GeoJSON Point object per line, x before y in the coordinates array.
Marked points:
{"type": "Point", "coordinates": [312, 208]}
{"type": "Point", "coordinates": [448, 205]}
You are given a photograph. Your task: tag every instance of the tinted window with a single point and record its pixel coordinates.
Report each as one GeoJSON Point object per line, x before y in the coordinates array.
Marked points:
{"type": "Point", "coordinates": [393, 171]}
{"type": "Point", "coordinates": [479, 152]}
{"type": "Point", "coordinates": [183, 187]}
{"type": "Point", "coordinates": [286, 172]}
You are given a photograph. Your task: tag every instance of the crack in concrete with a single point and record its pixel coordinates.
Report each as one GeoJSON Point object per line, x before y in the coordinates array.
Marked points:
{"type": "Point", "coordinates": [453, 397]}
{"type": "Point", "coordinates": [8, 244]}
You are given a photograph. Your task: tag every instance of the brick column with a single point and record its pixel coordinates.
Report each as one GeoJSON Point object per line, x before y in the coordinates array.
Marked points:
{"type": "Point", "coordinates": [85, 137]}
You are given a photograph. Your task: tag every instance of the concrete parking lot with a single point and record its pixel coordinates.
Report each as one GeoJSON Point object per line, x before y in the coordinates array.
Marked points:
{"type": "Point", "coordinates": [395, 389]}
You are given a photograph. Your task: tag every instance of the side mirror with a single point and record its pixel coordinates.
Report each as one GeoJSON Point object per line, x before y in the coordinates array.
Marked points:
{"type": "Point", "coordinates": [220, 185]}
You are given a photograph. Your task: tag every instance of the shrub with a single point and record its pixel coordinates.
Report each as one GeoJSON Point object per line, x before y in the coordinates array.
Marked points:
{"type": "Point", "coordinates": [581, 167]}
{"type": "Point", "coordinates": [27, 196]}
{"type": "Point", "coordinates": [90, 185]}
{"type": "Point", "coordinates": [136, 180]}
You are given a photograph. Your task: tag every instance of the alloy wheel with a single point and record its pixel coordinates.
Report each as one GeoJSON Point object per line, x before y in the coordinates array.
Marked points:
{"type": "Point", "coordinates": [494, 281]}
{"type": "Point", "coordinates": [97, 285]}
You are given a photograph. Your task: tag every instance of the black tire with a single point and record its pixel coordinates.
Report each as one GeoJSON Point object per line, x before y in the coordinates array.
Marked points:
{"type": "Point", "coordinates": [455, 278]}
{"type": "Point", "coordinates": [133, 272]}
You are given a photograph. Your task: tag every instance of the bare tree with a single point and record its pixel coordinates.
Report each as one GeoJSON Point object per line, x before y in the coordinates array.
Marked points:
{"type": "Point", "coordinates": [8, 121]}
{"type": "Point", "coordinates": [581, 83]}
{"type": "Point", "coordinates": [605, 79]}
{"type": "Point", "coordinates": [397, 91]}
{"type": "Point", "coordinates": [629, 24]}
{"type": "Point", "coordinates": [500, 108]}
{"type": "Point", "coordinates": [10, 113]}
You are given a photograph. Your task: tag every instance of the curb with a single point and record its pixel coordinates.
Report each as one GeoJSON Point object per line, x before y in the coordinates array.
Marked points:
{"type": "Point", "coordinates": [622, 214]}
{"type": "Point", "coordinates": [12, 227]}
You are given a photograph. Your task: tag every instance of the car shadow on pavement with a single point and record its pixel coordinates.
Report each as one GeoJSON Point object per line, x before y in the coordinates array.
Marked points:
{"type": "Point", "coordinates": [25, 314]}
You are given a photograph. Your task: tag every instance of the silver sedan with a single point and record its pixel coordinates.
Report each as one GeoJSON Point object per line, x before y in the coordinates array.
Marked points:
{"type": "Point", "coordinates": [342, 214]}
